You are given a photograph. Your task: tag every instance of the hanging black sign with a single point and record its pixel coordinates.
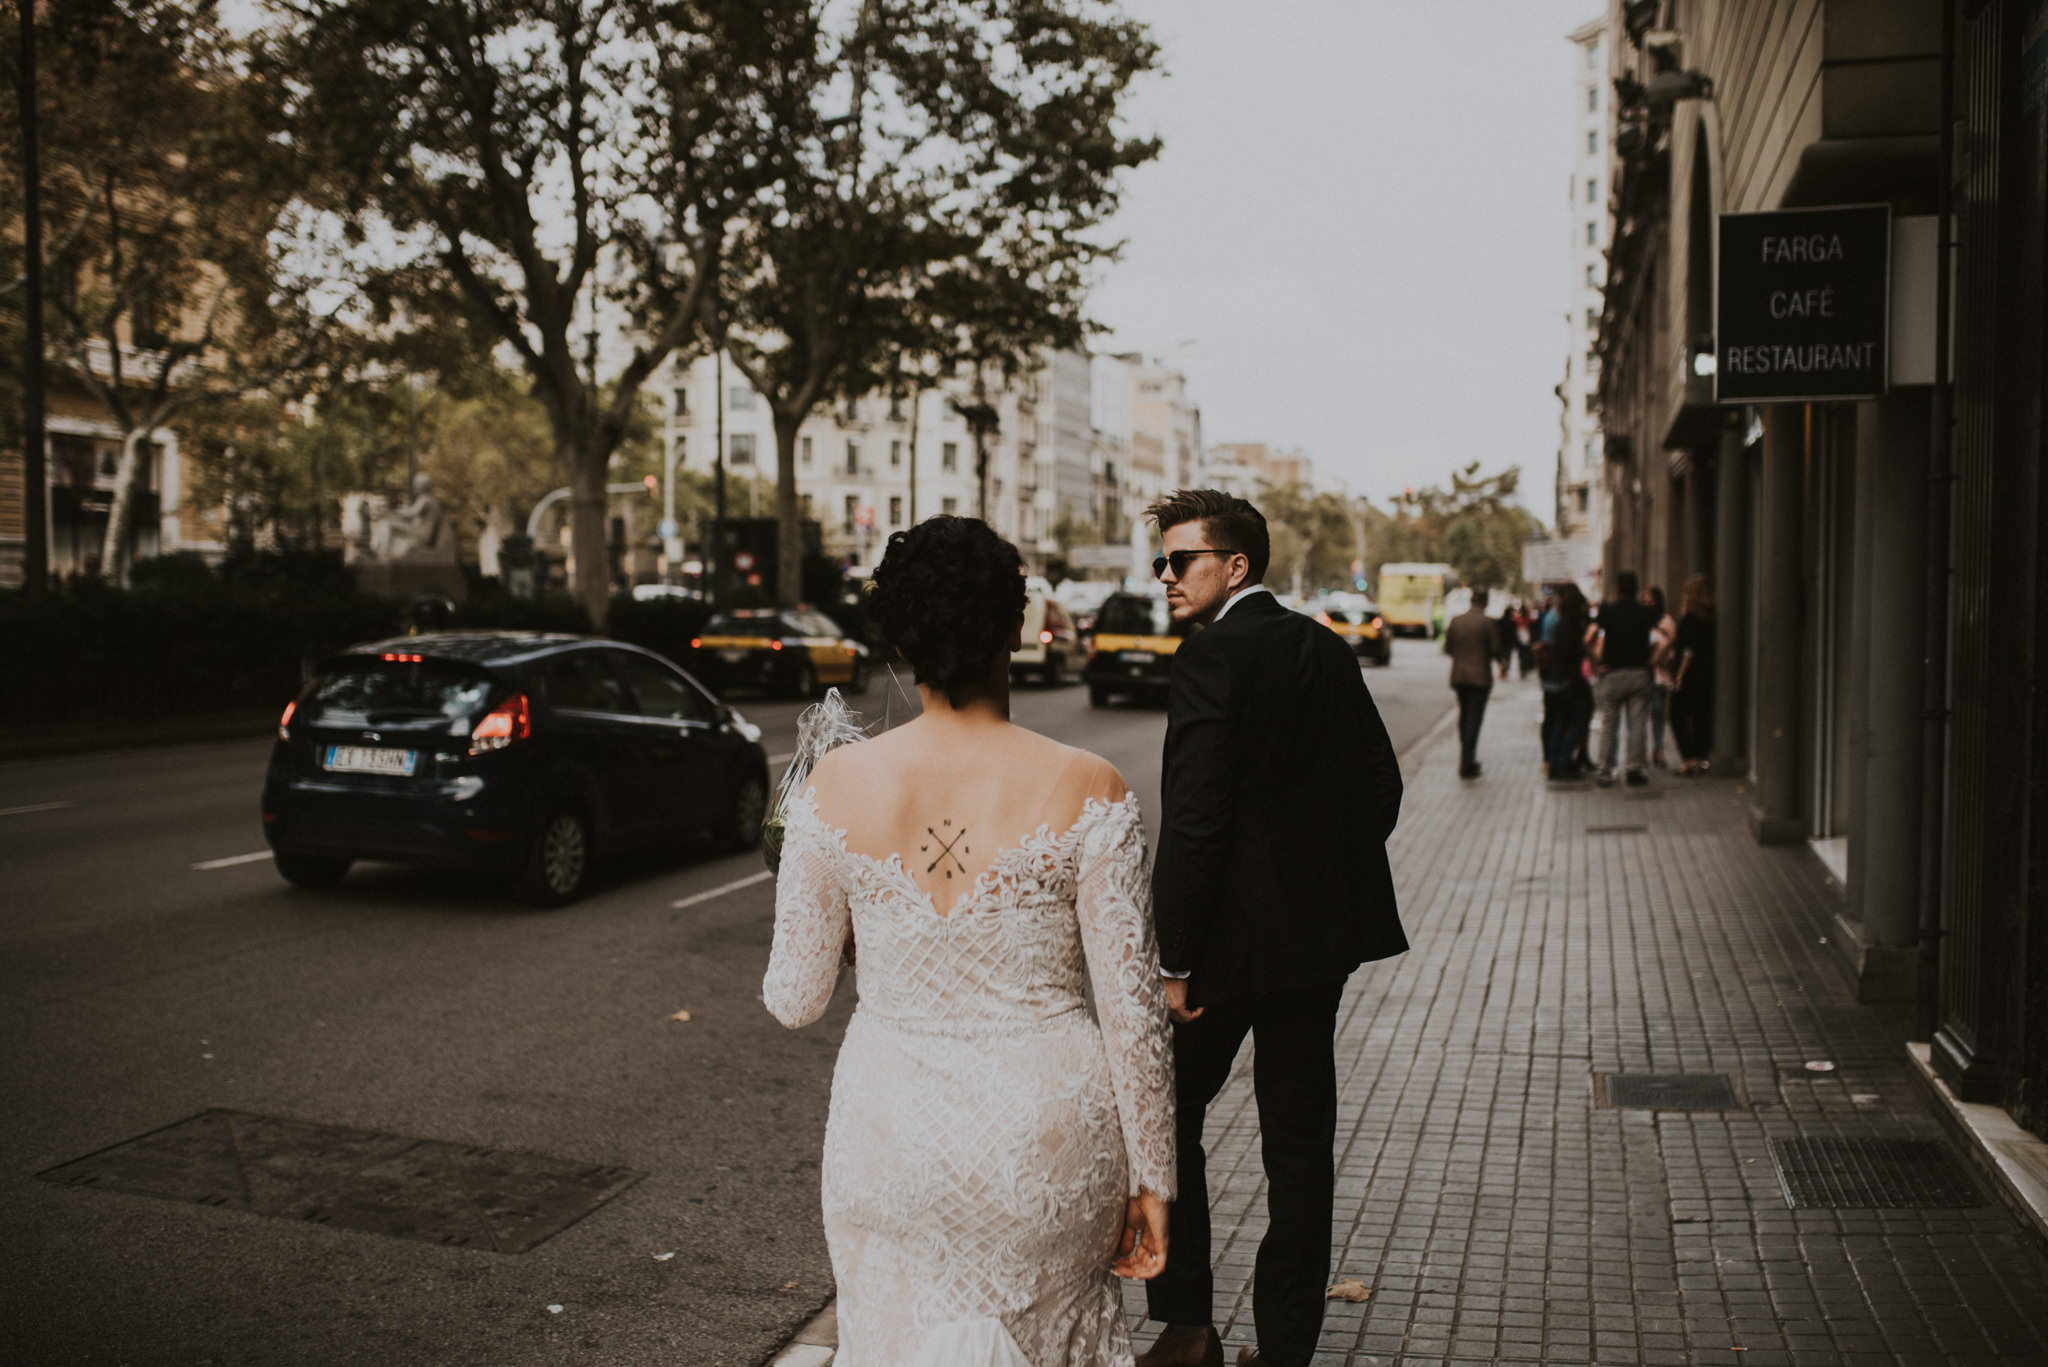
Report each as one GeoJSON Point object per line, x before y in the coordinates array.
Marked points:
{"type": "Point", "coordinates": [1802, 310]}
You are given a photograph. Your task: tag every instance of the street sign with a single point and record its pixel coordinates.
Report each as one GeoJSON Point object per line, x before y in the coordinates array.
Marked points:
{"type": "Point", "coordinates": [1099, 557]}
{"type": "Point", "coordinates": [667, 530]}
{"type": "Point", "coordinates": [1802, 307]}
{"type": "Point", "coordinates": [1557, 562]}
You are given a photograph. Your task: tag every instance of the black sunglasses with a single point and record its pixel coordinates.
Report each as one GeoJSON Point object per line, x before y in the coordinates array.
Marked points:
{"type": "Point", "coordinates": [1180, 560]}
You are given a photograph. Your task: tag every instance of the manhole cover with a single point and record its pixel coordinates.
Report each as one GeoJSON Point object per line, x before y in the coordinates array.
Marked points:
{"type": "Point", "coordinates": [1670, 1091]}
{"type": "Point", "coordinates": [1854, 1174]}
{"type": "Point", "coordinates": [1616, 830]}
{"type": "Point", "coordinates": [425, 1189]}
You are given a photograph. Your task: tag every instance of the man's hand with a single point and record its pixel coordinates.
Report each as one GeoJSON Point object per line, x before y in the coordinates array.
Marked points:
{"type": "Point", "coordinates": [1141, 1251]}
{"type": "Point", "coordinates": [1177, 1001]}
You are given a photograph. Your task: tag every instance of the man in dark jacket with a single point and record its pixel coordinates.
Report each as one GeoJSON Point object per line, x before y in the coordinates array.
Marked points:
{"type": "Point", "coordinates": [1271, 885]}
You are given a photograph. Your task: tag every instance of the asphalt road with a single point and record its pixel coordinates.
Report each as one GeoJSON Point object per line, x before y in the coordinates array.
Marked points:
{"type": "Point", "coordinates": [153, 966]}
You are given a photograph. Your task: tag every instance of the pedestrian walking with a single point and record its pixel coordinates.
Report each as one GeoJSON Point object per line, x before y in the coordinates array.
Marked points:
{"type": "Point", "coordinates": [1621, 644]}
{"type": "Point", "coordinates": [1662, 656]}
{"type": "Point", "coordinates": [1279, 790]}
{"type": "Point", "coordinates": [1525, 641]}
{"type": "Point", "coordinates": [1472, 640]}
{"type": "Point", "coordinates": [1692, 684]}
{"type": "Point", "coordinates": [1561, 670]}
{"type": "Point", "coordinates": [991, 1138]}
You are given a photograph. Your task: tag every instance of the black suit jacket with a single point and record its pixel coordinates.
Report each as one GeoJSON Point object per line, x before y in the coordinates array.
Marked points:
{"type": "Point", "coordinates": [1280, 790]}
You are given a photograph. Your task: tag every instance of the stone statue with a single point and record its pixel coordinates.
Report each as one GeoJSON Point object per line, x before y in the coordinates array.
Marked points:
{"type": "Point", "coordinates": [405, 551]}
{"type": "Point", "coordinates": [418, 533]}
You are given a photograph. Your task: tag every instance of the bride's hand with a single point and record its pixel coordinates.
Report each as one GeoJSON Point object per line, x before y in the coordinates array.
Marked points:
{"type": "Point", "coordinates": [1141, 1252]}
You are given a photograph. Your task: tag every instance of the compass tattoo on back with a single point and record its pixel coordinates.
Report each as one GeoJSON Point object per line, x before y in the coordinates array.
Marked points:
{"type": "Point", "coordinates": [946, 842]}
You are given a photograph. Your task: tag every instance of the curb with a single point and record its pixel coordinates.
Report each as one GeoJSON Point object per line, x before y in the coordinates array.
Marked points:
{"type": "Point", "coordinates": [813, 1345]}
{"type": "Point", "coordinates": [199, 731]}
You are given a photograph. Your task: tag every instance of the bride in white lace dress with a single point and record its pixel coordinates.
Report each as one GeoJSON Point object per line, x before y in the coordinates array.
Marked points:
{"type": "Point", "coordinates": [997, 1153]}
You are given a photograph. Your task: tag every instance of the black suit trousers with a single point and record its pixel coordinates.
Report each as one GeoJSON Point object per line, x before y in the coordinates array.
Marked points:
{"type": "Point", "coordinates": [1294, 1076]}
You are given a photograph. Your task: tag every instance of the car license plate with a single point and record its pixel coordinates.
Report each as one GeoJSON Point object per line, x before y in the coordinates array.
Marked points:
{"type": "Point", "coordinates": [1139, 657]}
{"type": "Point", "coordinates": [733, 657]}
{"type": "Point", "coordinates": [365, 759]}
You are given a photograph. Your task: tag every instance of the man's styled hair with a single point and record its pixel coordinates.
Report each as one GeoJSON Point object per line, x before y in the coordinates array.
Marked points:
{"type": "Point", "coordinates": [1479, 598]}
{"type": "Point", "coordinates": [1229, 523]}
{"type": "Point", "coordinates": [1625, 583]}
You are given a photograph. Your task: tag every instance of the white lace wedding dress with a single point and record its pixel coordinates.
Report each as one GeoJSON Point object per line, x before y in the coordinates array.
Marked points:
{"type": "Point", "coordinates": [985, 1130]}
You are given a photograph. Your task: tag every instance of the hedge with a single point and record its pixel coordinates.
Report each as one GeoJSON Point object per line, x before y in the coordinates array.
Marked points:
{"type": "Point", "coordinates": [187, 638]}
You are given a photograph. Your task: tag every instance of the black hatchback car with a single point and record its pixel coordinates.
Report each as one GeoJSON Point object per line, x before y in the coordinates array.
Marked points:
{"type": "Point", "coordinates": [514, 753]}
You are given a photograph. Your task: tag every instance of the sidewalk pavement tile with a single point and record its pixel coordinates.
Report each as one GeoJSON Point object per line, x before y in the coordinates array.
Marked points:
{"type": "Point", "coordinates": [1503, 1214]}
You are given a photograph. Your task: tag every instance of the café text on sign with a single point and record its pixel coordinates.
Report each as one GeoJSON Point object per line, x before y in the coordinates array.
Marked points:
{"type": "Point", "coordinates": [1802, 307]}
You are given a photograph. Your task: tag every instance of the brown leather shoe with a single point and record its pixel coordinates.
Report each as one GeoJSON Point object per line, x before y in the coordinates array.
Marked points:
{"type": "Point", "coordinates": [1249, 1357]}
{"type": "Point", "coordinates": [1184, 1348]}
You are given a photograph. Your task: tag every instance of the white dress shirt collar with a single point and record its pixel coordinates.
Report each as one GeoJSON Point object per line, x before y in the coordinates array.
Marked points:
{"type": "Point", "coordinates": [1247, 591]}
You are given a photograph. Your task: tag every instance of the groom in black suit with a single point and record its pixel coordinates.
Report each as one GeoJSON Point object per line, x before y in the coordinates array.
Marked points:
{"type": "Point", "coordinates": [1270, 887]}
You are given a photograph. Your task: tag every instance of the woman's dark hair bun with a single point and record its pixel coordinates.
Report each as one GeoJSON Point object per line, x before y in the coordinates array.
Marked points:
{"type": "Point", "coordinates": [946, 596]}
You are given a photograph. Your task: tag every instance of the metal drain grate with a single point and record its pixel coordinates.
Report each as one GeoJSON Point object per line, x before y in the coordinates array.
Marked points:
{"type": "Point", "coordinates": [1856, 1174]}
{"type": "Point", "coordinates": [1670, 1091]}
{"type": "Point", "coordinates": [1616, 830]}
{"type": "Point", "coordinates": [441, 1193]}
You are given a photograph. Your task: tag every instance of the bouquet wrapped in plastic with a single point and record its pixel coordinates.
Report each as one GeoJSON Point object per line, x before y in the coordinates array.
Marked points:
{"type": "Point", "coordinates": [823, 726]}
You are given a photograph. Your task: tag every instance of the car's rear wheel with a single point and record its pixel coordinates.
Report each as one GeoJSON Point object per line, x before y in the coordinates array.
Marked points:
{"type": "Point", "coordinates": [860, 678]}
{"type": "Point", "coordinates": [1098, 696]}
{"type": "Point", "coordinates": [806, 679]}
{"type": "Point", "coordinates": [558, 861]}
{"type": "Point", "coordinates": [311, 870]}
{"type": "Point", "coordinates": [749, 809]}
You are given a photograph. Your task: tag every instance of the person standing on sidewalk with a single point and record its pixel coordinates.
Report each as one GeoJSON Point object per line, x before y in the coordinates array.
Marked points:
{"type": "Point", "coordinates": [1623, 629]}
{"type": "Point", "coordinates": [1662, 657]}
{"type": "Point", "coordinates": [1692, 686]}
{"type": "Point", "coordinates": [1279, 791]}
{"type": "Point", "coordinates": [1561, 669]}
{"type": "Point", "coordinates": [1472, 640]}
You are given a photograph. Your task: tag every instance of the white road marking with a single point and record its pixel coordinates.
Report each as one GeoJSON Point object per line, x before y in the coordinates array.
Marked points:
{"type": "Point", "coordinates": [232, 860]}
{"type": "Point", "coordinates": [36, 807]}
{"type": "Point", "coordinates": [734, 886]}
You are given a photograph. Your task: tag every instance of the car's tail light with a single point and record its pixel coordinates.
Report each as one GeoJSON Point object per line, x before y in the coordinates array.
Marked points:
{"type": "Point", "coordinates": [1378, 622]}
{"type": "Point", "coordinates": [775, 645]}
{"type": "Point", "coordinates": [403, 659]}
{"type": "Point", "coordinates": [508, 721]}
{"type": "Point", "coordinates": [284, 722]}
{"type": "Point", "coordinates": [696, 643]}
{"type": "Point", "coordinates": [1045, 638]}
{"type": "Point", "coordinates": [1323, 617]}
{"type": "Point", "coordinates": [852, 651]}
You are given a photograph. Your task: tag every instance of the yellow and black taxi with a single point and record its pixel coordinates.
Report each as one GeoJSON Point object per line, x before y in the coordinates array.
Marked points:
{"type": "Point", "coordinates": [1135, 641]}
{"type": "Point", "coordinates": [1359, 622]}
{"type": "Point", "coordinates": [798, 652]}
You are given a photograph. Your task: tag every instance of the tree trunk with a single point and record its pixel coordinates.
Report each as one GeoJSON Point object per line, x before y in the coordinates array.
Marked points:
{"type": "Point", "coordinates": [789, 540]}
{"type": "Point", "coordinates": [591, 583]}
{"type": "Point", "coordinates": [114, 551]}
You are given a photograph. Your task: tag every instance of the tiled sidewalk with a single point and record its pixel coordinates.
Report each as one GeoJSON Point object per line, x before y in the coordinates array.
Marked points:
{"type": "Point", "coordinates": [1502, 1214]}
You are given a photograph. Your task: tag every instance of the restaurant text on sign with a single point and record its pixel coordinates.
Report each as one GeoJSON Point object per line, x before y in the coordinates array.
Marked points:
{"type": "Point", "coordinates": [1802, 305]}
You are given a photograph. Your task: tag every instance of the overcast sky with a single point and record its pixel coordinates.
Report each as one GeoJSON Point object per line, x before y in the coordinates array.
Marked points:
{"type": "Point", "coordinates": [1356, 238]}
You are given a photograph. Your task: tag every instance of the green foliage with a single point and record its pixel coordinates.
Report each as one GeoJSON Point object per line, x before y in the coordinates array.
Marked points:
{"type": "Point", "coordinates": [941, 173]}
{"type": "Point", "coordinates": [1315, 538]}
{"type": "Point", "coordinates": [1475, 526]}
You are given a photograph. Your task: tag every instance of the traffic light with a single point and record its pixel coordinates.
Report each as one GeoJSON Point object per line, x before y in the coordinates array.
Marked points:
{"type": "Point", "coordinates": [653, 487]}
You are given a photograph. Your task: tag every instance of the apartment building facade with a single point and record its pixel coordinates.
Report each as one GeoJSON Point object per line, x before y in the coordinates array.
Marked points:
{"type": "Point", "coordinates": [1875, 543]}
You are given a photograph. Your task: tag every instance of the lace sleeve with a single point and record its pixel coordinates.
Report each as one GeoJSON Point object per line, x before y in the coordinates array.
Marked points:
{"type": "Point", "coordinates": [811, 923]}
{"type": "Point", "coordinates": [1123, 965]}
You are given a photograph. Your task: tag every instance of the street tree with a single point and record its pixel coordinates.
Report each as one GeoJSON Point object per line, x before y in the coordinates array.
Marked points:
{"type": "Point", "coordinates": [941, 172]}
{"type": "Point", "coordinates": [1477, 526]}
{"type": "Point", "coordinates": [540, 168]}
{"type": "Point", "coordinates": [162, 190]}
